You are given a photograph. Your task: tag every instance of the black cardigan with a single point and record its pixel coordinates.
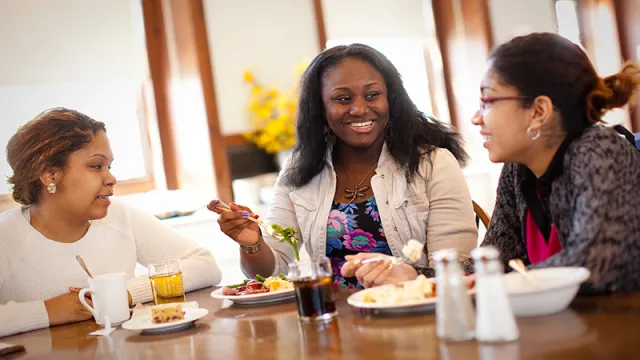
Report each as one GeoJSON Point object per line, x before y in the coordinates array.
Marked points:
{"type": "Point", "coordinates": [595, 205]}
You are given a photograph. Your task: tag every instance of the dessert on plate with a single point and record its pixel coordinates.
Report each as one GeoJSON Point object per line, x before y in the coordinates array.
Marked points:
{"type": "Point", "coordinates": [165, 313]}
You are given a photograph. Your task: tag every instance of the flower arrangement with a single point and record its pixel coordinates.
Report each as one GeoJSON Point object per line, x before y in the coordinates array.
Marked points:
{"type": "Point", "coordinates": [272, 115]}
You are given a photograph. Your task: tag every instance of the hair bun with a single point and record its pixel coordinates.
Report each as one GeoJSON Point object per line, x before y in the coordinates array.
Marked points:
{"type": "Point", "coordinates": [612, 92]}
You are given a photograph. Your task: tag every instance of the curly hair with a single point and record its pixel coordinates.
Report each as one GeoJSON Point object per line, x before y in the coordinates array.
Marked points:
{"type": "Point", "coordinates": [45, 143]}
{"type": "Point", "coordinates": [548, 64]}
{"type": "Point", "coordinates": [414, 134]}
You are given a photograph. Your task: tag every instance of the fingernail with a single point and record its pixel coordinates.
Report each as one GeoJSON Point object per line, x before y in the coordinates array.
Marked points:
{"type": "Point", "coordinates": [216, 202]}
{"type": "Point", "coordinates": [245, 213]}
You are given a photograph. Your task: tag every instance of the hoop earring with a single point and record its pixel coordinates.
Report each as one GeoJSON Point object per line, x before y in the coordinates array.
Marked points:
{"type": "Point", "coordinates": [534, 137]}
{"type": "Point", "coordinates": [52, 188]}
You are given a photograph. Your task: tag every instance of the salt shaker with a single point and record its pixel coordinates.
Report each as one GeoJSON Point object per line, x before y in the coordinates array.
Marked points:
{"type": "Point", "coordinates": [455, 319]}
{"type": "Point", "coordinates": [494, 321]}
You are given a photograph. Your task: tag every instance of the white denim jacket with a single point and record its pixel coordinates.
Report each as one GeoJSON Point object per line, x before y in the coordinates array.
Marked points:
{"type": "Point", "coordinates": [435, 208]}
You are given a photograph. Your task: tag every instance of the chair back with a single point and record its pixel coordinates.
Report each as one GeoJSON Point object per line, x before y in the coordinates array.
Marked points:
{"type": "Point", "coordinates": [481, 215]}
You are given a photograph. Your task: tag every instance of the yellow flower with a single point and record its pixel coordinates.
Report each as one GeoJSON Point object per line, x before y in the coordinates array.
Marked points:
{"type": "Point", "coordinates": [272, 115]}
{"type": "Point", "coordinates": [248, 77]}
{"type": "Point", "coordinates": [263, 112]}
{"type": "Point", "coordinates": [273, 93]}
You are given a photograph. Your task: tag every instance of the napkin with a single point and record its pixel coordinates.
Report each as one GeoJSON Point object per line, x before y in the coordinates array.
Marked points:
{"type": "Point", "coordinates": [106, 330]}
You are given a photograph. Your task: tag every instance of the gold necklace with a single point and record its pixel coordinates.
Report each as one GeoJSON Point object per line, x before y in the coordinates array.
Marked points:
{"type": "Point", "coordinates": [359, 190]}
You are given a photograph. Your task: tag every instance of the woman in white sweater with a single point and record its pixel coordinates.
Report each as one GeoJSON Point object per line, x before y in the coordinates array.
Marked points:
{"type": "Point", "coordinates": [61, 162]}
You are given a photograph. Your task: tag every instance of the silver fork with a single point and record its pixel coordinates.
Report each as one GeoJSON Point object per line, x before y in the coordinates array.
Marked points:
{"type": "Point", "coordinates": [270, 231]}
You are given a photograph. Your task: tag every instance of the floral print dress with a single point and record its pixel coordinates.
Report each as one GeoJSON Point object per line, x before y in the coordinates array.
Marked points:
{"type": "Point", "coordinates": [352, 229]}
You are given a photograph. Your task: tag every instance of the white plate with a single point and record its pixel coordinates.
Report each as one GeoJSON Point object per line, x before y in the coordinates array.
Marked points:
{"type": "Point", "coordinates": [357, 301]}
{"type": "Point", "coordinates": [427, 304]}
{"type": "Point", "coordinates": [143, 322]}
{"type": "Point", "coordinates": [256, 299]}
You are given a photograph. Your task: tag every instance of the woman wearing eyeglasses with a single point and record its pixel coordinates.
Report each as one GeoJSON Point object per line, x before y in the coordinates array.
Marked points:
{"type": "Point", "coordinates": [569, 192]}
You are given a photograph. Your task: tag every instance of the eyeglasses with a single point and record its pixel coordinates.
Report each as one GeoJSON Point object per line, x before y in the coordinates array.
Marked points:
{"type": "Point", "coordinates": [490, 100]}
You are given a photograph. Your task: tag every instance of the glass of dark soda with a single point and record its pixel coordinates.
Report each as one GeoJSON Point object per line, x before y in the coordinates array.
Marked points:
{"type": "Point", "coordinates": [314, 289]}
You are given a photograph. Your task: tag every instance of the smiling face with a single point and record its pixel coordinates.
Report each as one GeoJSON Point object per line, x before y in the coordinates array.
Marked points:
{"type": "Point", "coordinates": [503, 124]}
{"type": "Point", "coordinates": [86, 183]}
{"type": "Point", "coordinates": [354, 94]}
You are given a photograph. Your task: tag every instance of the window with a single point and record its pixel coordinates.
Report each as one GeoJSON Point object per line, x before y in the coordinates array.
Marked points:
{"type": "Point", "coordinates": [96, 64]}
{"type": "Point", "coordinates": [568, 24]}
{"type": "Point", "coordinates": [593, 26]}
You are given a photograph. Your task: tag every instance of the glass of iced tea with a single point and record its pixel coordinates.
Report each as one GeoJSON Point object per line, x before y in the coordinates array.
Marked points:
{"type": "Point", "coordinates": [314, 291]}
{"type": "Point", "coordinates": [166, 282]}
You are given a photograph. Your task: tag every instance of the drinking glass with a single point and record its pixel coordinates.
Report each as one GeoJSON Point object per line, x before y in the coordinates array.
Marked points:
{"type": "Point", "coordinates": [314, 289]}
{"type": "Point", "coordinates": [166, 282]}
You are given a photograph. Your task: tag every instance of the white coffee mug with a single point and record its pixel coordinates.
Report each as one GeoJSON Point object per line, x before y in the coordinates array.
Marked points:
{"type": "Point", "coordinates": [110, 298]}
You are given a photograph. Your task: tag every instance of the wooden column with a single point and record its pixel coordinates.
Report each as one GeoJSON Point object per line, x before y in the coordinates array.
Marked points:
{"type": "Point", "coordinates": [320, 24]}
{"type": "Point", "coordinates": [158, 55]}
{"type": "Point", "coordinates": [194, 62]}
{"type": "Point", "coordinates": [465, 38]}
{"type": "Point", "coordinates": [628, 16]}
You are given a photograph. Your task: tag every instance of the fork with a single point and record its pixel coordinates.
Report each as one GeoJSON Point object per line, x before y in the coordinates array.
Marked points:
{"type": "Point", "coordinates": [270, 231]}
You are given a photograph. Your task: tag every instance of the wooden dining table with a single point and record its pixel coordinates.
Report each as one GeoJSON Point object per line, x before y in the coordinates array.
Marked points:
{"type": "Point", "coordinates": [594, 327]}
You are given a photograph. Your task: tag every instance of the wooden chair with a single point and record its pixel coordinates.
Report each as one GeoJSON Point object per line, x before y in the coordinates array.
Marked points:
{"type": "Point", "coordinates": [481, 215]}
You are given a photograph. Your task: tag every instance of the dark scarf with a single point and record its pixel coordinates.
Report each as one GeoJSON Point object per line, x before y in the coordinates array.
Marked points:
{"type": "Point", "coordinates": [537, 191]}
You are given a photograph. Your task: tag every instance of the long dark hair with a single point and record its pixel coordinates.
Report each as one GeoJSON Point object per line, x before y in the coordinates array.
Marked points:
{"type": "Point", "coordinates": [410, 136]}
{"type": "Point", "coordinates": [548, 64]}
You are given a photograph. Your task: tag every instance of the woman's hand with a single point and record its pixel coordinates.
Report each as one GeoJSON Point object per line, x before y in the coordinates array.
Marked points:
{"type": "Point", "coordinates": [235, 224]}
{"type": "Point", "coordinates": [378, 272]}
{"type": "Point", "coordinates": [66, 308]}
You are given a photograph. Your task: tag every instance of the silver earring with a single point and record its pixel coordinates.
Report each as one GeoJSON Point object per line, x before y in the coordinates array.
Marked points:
{"type": "Point", "coordinates": [534, 137]}
{"type": "Point", "coordinates": [52, 188]}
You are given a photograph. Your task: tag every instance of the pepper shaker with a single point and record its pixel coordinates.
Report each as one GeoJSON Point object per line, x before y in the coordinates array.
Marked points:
{"type": "Point", "coordinates": [455, 319]}
{"type": "Point", "coordinates": [494, 318]}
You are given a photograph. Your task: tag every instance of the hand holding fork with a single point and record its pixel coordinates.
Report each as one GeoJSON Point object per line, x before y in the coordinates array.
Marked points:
{"type": "Point", "coordinates": [220, 207]}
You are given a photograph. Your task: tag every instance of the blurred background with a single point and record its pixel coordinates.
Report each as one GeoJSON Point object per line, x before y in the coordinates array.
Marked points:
{"type": "Point", "coordinates": [199, 96]}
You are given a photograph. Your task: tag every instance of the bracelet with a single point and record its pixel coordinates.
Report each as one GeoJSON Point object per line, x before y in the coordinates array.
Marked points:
{"type": "Point", "coordinates": [250, 249]}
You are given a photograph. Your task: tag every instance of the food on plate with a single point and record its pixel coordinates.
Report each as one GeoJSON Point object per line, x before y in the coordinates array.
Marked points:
{"type": "Point", "coordinates": [413, 250]}
{"type": "Point", "coordinates": [275, 284]}
{"type": "Point", "coordinates": [259, 285]}
{"type": "Point", "coordinates": [409, 291]}
{"type": "Point", "coordinates": [289, 236]}
{"type": "Point", "coordinates": [161, 314]}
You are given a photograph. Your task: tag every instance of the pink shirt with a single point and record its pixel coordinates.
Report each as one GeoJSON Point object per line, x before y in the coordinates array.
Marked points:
{"type": "Point", "coordinates": [538, 248]}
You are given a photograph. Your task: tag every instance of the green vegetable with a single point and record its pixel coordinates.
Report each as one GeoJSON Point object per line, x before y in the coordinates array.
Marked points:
{"type": "Point", "coordinates": [282, 277]}
{"type": "Point", "coordinates": [260, 278]}
{"type": "Point", "coordinates": [243, 283]}
{"type": "Point", "coordinates": [288, 236]}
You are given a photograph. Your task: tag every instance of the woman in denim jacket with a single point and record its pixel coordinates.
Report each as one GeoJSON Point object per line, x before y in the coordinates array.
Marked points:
{"type": "Point", "coordinates": [369, 173]}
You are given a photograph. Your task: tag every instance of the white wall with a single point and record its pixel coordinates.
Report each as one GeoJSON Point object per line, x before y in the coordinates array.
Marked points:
{"type": "Point", "coordinates": [69, 40]}
{"type": "Point", "coordinates": [373, 18]}
{"type": "Point", "coordinates": [270, 37]}
{"type": "Point", "coordinates": [511, 18]}
{"type": "Point", "coordinates": [89, 55]}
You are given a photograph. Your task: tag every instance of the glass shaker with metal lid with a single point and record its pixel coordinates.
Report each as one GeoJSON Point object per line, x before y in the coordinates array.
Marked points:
{"type": "Point", "coordinates": [494, 318]}
{"type": "Point", "coordinates": [455, 318]}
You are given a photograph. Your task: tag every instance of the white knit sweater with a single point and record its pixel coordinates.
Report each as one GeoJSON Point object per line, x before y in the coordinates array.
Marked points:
{"type": "Point", "coordinates": [34, 268]}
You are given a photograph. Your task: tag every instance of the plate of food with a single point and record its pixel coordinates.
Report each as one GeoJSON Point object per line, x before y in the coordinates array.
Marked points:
{"type": "Point", "coordinates": [165, 318]}
{"type": "Point", "coordinates": [408, 296]}
{"type": "Point", "coordinates": [260, 290]}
